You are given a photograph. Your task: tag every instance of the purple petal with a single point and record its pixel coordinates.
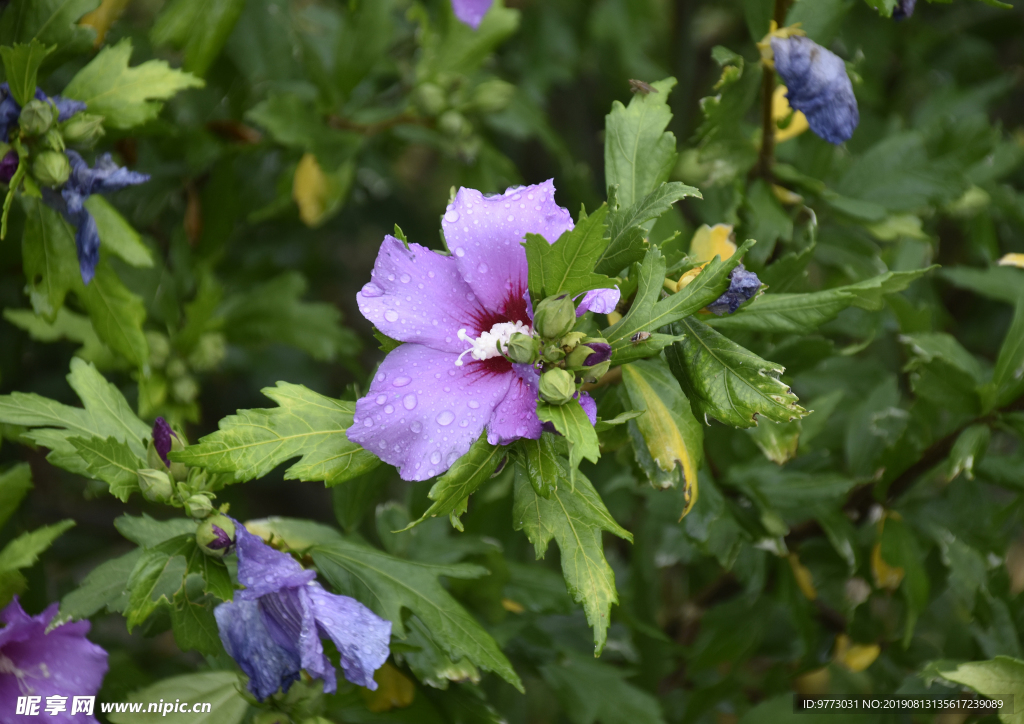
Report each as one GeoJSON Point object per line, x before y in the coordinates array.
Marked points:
{"type": "Point", "coordinates": [223, 540]}
{"type": "Point", "coordinates": [263, 570]}
{"type": "Point", "coordinates": [9, 112]}
{"type": "Point", "coordinates": [589, 406]}
{"type": "Point", "coordinates": [66, 107]}
{"type": "Point", "coordinates": [361, 636]}
{"type": "Point", "coordinates": [245, 636]}
{"type": "Point", "coordinates": [162, 433]}
{"type": "Point", "coordinates": [485, 236]}
{"type": "Point", "coordinates": [8, 166]}
{"type": "Point", "coordinates": [471, 12]}
{"type": "Point", "coordinates": [59, 663]}
{"type": "Point", "coordinates": [601, 301]}
{"type": "Point", "coordinates": [422, 412]}
{"type": "Point", "coordinates": [288, 616]}
{"type": "Point", "coordinates": [516, 416]}
{"type": "Point", "coordinates": [817, 84]}
{"type": "Point", "coordinates": [87, 244]}
{"type": "Point", "coordinates": [602, 353]}
{"type": "Point", "coordinates": [903, 10]}
{"type": "Point", "coordinates": [742, 286]}
{"type": "Point", "coordinates": [417, 295]}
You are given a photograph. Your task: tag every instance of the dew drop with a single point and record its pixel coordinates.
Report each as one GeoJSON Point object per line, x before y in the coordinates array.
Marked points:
{"type": "Point", "coordinates": [460, 252]}
{"type": "Point", "coordinates": [474, 404]}
{"type": "Point", "coordinates": [510, 218]}
{"type": "Point", "coordinates": [409, 401]}
{"type": "Point", "coordinates": [464, 423]}
{"type": "Point", "coordinates": [445, 418]}
{"type": "Point", "coordinates": [389, 409]}
{"type": "Point", "coordinates": [381, 399]}
{"type": "Point", "coordinates": [416, 427]}
{"type": "Point", "coordinates": [372, 290]}
{"type": "Point", "coordinates": [482, 268]}
{"type": "Point", "coordinates": [451, 216]}
{"type": "Point", "coordinates": [391, 315]}
{"type": "Point", "coordinates": [452, 457]}
{"type": "Point", "coordinates": [435, 457]}
{"type": "Point", "coordinates": [391, 277]}
{"type": "Point", "coordinates": [401, 381]}
{"type": "Point", "coordinates": [381, 376]}
{"type": "Point", "coordinates": [367, 422]}
{"type": "Point", "coordinates": [405, 278]}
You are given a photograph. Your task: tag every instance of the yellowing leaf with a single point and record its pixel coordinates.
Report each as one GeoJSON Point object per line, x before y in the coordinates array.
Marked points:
{"type": "Point", "coordinates": [781, 111]}
{"type": "Point", "coordinates": [804, 579]}
{"type": "Point", "coordinates": [711, 241]}
{"type": "Point", "coordinates": [394, 690]}
{"type": "Point", "coordinates": [814, 683]}
{"type": "Point", "coordinates": [103, 17]}
{"type": "Point", "coordinates": [309, 189]}
{"type": "Point", "coordinates": [1012, 260]}
{"type": "Point", "coordinates": [855, 657]}
{"type": "Point", "coordinates": [886, 576]}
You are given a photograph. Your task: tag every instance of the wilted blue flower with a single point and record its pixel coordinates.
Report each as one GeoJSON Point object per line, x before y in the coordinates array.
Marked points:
{"type": "Point", "coordinates": [818, 86]}
{"type": "Point", "coordinates": [432, 397]}
{"type": "Point", "coordinates": [10, 110]}
{"type": "Point", "coordinates": [104, 177]}
{"type": "Point", "coordinates": [742, 286]}
{"type": "Point", "coordinates": [471, 12]}
{"type": "Point", "coordinates": [8, 166]}
{"type": "Point", "coordinates": [272, 629]}
{"type": "Point", "coordinates": [903, 10]}
{"type": "Point", "coordinates": [162, 433]}
{"type": "Point", "coordinates": [35, 662]}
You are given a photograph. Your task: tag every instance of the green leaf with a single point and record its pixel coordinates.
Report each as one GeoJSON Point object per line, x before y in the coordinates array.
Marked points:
{"type": "Point", "coordinates": [388, 585]}
{"type": "Point", "coordinates": [566, 267]}
{"type": "Point", "coordinates": [899, 549]}
{"type": "Point", "coordinates": [942, 371]}
{"type": "Point", "coordinates": [117, 235]}
{"type": "Point", "coordinates": [673, 439]}
{"type": "Point", "coordinates": [21, 64]}
{"type": "Point", "coordinates": [463, 478]}
{"type": "Point", "coordinates": [273, 312]}
{"type": "Point", "coordinates": [195, 628]}
{"type": "Point", "coordinates": [111, 461]}
{"type": "Point", "coordinates": [572, 422]}
{"type": "Point", "coordinates": [199, 27]}
{"type": "Point", "coordinates": [574, 516]}
{"type": "Point", "coordinates": [106, 587]}
{"type": "Point", "coordinates": [15, 482]}
{"type": "Point", "coordinates": [126, 97]}
{"type": "Point", "coordinates": [106, 414]}
{"type": "Point", "coordinates": [803, 313]}
{"type": "Point", "coordinates": [297, 123]}
{"type": "Point", "coordinates": [158, 575]}
{"type": "Point", "coordinates": [459, 49]}
{"type": "Point", "coordinates": [117, 315]}
{"type": "Point", "coordinates": [999, 678]}
{"type": "Point", "coordinates": [48, 257]}
{"type": "Point", "coordinates": [24, 550]}
{"type": "Point", "coordinates": [149, 532]}
{"type": "Point", "coordinates": [307, 425]}
{"type": "Point", "coordinates": [222, 690]}
{"type": "Point", "coordinates": [1008, 377]}
{"type": "Point", "coordinates": [648, 314]}
{"type": "Point", "coordinates": [728, 382]}
{"type": "Point", "coordinates": [638, 153]}
{"type": "Point", "coordinates": [430, 663]}
{"type": "Point", "coordinates": [542, 462]}
{"type": "Point", "coordinates": [67, 325]}
{"type": "Point", "coordinates": [778, 441]}
{"type": "Point", "coordinates": [591, 691]}
{"type": "Point", "coordinates": [51, 22]}
{"type": "Point", "coordinates": [1001, 283]}
{"type": "Point", "coordinates": [628, 227]}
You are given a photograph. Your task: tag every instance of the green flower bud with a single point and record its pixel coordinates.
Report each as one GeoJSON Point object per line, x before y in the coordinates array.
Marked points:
{"type": "Point", "coordinates": [429, 98]}
{"type": "Point", "coordinates": [51, 168]}
{"type": "Point", "coordinates": [493, 95]}
{"type": "Point", "coordinates": [179, 471]}
{"type": "Point", "coordinates": [595, 373]}
{"type": "Point", "coordinates": [185, 389]}
{"type": "Point", "coordinates": [554, 317]}
{"type": "Point", "coordinates": [155, 485]}
{"type": "Point", "coordinates": [209, 353]}
{"type": "Point", "coordinates": [552, 353]}
{"type": "Point", "coordinates": [522, 348]}
{"type": "Point", "coordinates": [198, 506]}
{"type": "Point", "coordinates": [159, 349]}
{"type": "Point", "coordinates": [557, 386]}
{"type": "Point", "coordinates": [453, 123]}
{"type": "Point", "coordinates": [36, 117]}
{"type": "Point", "coordinates": [593, 351]}
{"type": "Point", "coordinates": [216, 535]}
{"type": "Point", "coordinates": [83, 129]}
{"type": "Point", "coordinates": [52, 140]}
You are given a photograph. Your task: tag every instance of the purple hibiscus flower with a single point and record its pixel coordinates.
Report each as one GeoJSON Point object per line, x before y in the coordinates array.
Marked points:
{"type": "Point", "coordinates": [104, 177]}
{"type": "Point", "coordinates": [434, 395]}
{"type": "Point", "coordinates": [471, 12]}
{"type": "Point", "coordinates": [162, 433]}
{"type": "Point", "coordinates": [273, 628]}
{"type": "Point", "coordinates": [818, 86]}
{"type": "Point", "coordinates": [39, 664]}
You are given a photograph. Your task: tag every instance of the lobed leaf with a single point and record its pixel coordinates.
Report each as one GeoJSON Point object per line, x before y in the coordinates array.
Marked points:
{"type": "Point", "coordinates": [566, 267]}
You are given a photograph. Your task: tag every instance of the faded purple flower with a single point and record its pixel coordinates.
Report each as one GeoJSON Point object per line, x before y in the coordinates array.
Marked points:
{"type": "Point", "coordinates": [432, 397]}
{"type": "Point", "coordinates": [8, 166]}
{"type": "Point", "coordinates": [273, 628]}
{"type": "Point", "coordinates": [162, 439]}
{"type": "Point", "coordinates": [601, 301]}
{"type": "Point", "coordinates": [742, 286]}
{"type": "Point", "coordinates": [471, 12]}
{"type": "Point", "coordinates": [904, 9]}
{"type": "Point", "coordinates": [817, 84]}
{"type": "Point", "coordinates": [104, 177]}
{"type": "Point", "coordinates": [34, 662]}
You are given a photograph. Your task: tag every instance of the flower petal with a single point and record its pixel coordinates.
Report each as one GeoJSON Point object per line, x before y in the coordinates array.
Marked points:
{"type": "Point", "coordinates": [485, 234]}
{"type": "Point", "coordinates": [601, 301]}
{"type": "Point", "coordinates": [516, 416]}
{"type": "Point", "coordinates": [362, 637]}
{"type": "Point", "coordinates": [471, 12]}
{"type": "Point", "coordinates": [248, 641]}
{"type": "Point", "coordinates": [417, 295]}
{"type": "Point", "coordinates": [589, 405]}
{"type": "Point", "coordinates": [263, 570]}
{"type": "Point", "coordinates": [742, 286]}
{"type": "Point", "coordinates": [422, 412]}
{"type": "Point", "coordinates": [818, 86]}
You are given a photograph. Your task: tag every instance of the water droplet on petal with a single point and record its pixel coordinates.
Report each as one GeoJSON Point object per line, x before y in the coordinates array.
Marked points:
{"type": "Point", "coordinates": [391, 277]}
{"type": "Point", "coordinates": [372, 290]}
{"type": "Point", "coordinates": [510, 218]}
{"type": "Point", "coordinates": [381, 399]}
{"type": "Point", "coordinates": [416, 427]}
{"type": "Point", "coordinates": [391, 315]}
{"type": "Point", "coordinates": [445, 418]}
{"type": "Point", "coordinates": [367, 422]}
{"type": "Point", "coordinates": [409, 401]}
{"type": "Point", "coordinates": [474, 404]}
{"type": "Point", "coordinates": [381, 376]}
{"type": "Point", "coordinates": [482, 268]}
{"type": "Point", "coordinates": [452, 457]}
{"type": "Point", "coordinates": [464, 423]}
{"type": "Point", "coordinates": [460, 252]}
{"type": "Point", "coordinates": [405, 278]}
{"type": "Point", "coordinates": [389, 409]}
{"type": "Point", "coordinates": [435, 457]}
{"type": "Point", "coordinates": [401, 381]}
{"type": "Point", "coordinates": [451, 216]}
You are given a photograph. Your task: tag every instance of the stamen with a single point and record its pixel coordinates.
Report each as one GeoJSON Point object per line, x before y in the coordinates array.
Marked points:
{"type": "Point", "coordinates": [489, 344]}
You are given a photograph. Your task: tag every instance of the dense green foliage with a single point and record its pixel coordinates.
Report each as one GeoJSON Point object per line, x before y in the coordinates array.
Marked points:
{"type": "Point", "coordinates": [819, 494]}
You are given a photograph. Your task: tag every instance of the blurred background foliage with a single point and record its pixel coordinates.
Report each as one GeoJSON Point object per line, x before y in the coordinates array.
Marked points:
{"type": "Point", "coordinates": [839, 554]}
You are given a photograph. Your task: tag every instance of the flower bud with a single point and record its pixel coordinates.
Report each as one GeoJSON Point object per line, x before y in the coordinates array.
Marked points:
{"type": "Point", "coordinates": [209, 352]}
{"type": "Point", "coordinates": [83, 129]}
{"type": "Point", "coordinates": [557, 386]}
{"type": "Point", "coordinates": [592, 352]}
{"type": "Point", "coordinates": [453, 123]}
{"type": "Point", "coordinates": [216, 535]}
{"type": "Point", "coordinates": [52, 140]}
{"type": "Point", "coordinates": [552, 353]}
{"type": "Point", "coordinates": [36, 117]}
{"type": "Point", "coordinates": [430, 99]}
{"type": "Point", "coordinates": [493, 95]}
{"type": "Point", "coordinates": [198, 506]}
{"type": "Point", "coordinates": [595, 373]}
{"type": "Point", "coordinates": [522, 348]}
{"type": "Point", "coordinates": [155, 485]}
{"type": "Point", "coordinates": [554, 317]}
{"type": "Point", "coordinates": [179, 471]}
{"type": "Point", "coordinates": [51, 168]}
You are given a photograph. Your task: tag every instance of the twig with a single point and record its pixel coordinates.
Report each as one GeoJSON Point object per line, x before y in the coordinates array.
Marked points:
{"type": "Point", "coordinates": [766, 158]}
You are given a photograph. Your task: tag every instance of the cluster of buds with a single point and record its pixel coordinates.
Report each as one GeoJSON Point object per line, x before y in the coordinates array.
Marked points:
{"type": "Point", "coordinates": [568, 357]}
{"type": "Point", "coordinates": [451, 101]}
{"type": "Point", "coordinates": [171, 384]}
